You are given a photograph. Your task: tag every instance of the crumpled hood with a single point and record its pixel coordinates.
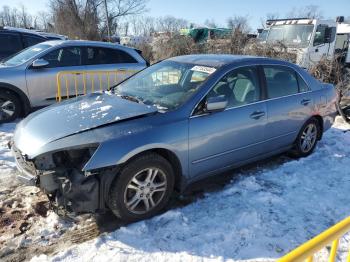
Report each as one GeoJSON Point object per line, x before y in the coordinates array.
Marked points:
{"type": "Point", "coordinates": [74, 116]}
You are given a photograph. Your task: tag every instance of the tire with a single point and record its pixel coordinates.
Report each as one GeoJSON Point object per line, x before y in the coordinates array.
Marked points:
{"type": "Point", "coordinates": [133, 188]}
{"type": "Point", "coordinates": [302, 148]}
{"type": "Point", "coordinates": [10, 107]}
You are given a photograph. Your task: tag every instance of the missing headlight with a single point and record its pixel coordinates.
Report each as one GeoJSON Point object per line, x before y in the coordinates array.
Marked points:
{"type": "Point", "coordinates": [74, 158]}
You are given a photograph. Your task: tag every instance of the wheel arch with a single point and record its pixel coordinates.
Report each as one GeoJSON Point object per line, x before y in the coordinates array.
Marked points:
{"type": "Point", "coordinates": [320, 122]}
{"type": "Point", "coordinates": [20, 94]}
{"type": "Point", "coordinates": [171, 157]}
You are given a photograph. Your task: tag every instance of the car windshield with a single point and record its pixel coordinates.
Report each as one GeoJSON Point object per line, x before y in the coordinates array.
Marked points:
{"type": "Point", "coordinates": [25, 55]}
{"type": "Point", "coordinates": [291, 35]}
{"type": "Point", "coordinates": [166, 85]}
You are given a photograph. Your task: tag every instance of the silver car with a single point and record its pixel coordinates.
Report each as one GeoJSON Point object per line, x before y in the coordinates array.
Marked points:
{"type": "Point", "coordinates": [28, 79]}
{"type": "Point", "coordinates": [169, 125]}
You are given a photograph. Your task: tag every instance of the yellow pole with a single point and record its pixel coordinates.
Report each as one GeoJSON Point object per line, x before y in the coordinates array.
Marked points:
{"type": "Point", "coordinates": [317, 243]}
{"type": "Point", "coordinates": [334, 248]}
{"type": "Point", "coordinates": [84, 82]}
{"type": "Point", "coordinates": [58, 87]}
{"type": "Point", "coordinates": [92, 81]}
{"type": "Point", "coordinates": [76, 85]}
{"type": "Point", "coordinates": [108, 85]}
{"type": "Point", "coordinates": [67, 89]}
{"type": "Point", "coordinates": [100, 78]}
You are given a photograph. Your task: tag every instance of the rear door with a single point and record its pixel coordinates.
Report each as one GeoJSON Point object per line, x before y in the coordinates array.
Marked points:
{"type": "Point", "coordinates": [10, 43]}
{"type": "Point", "coordinates": [42, 82]}
{"type": "Point", "coordinates": [107, 61]}
{"type": "Point", "coordinates": [222, 139]}
{"type": "Point", "coordinates": [289, 105]}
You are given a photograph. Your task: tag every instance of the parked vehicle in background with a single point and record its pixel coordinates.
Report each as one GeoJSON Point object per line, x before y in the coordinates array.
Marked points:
{"type": "Point", "coordinates": [169, 125]}
{"type": "Point", "coordinates": [310, 39]}
{"type": "Point", "coordinates": [52, 36]}
{"type": "Point", "coordinates": [262, 34]}
{"type": "Point", "coordinates": [13, 40]}
{"type": "Point", "coordinates": [28, 79]}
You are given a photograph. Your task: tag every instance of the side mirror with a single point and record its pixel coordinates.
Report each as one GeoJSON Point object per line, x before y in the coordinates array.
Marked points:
{"type": "Point", "coordinates": [40, 63]}
{"type": "Point", "coordinates": [214, 104]}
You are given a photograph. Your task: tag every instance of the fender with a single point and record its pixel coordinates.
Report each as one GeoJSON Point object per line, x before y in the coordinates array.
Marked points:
{"type": "Point", "coordinates": [23, 97]}
{"type": "Point", "coordinates": [120, 150]}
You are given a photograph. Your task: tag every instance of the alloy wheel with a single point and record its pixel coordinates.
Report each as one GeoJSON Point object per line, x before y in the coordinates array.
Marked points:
{"type": "Point", "coordinates": [145, 190]}
{"type": "Point", "coordinates": [308, 137]}
{"type": "Point", "coordinates": [7, 109]}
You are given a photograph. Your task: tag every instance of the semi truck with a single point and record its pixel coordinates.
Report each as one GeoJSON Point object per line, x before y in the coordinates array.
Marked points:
{"type": "Point", "coordinates": [311, 40]}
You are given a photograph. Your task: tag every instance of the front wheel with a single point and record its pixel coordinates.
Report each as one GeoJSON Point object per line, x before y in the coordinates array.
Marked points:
{"type": "Point", "coordinates": [10, 107]}
{"type": "Point", "coordinates": [142, 188]}
{"type": "Point", "coordinates": [307, 139]}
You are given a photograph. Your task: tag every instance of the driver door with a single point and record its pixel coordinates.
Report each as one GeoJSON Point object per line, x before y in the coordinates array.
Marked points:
{"type": "Point", "coordinates": [223, 139]}
{"type": "Point", "coordinates": [42, 82]}
{"type": "Point", "coordinates": [321, 46]}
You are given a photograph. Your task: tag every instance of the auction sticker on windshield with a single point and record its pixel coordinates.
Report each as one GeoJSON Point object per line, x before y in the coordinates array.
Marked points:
{"type": "Point", "coordinates": [204, 69]}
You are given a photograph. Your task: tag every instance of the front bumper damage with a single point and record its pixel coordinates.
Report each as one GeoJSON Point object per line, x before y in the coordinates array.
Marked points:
{"type": "Point", "coordinates": [69, 190]}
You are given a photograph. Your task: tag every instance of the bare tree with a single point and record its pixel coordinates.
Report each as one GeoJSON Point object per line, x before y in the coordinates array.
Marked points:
{"type": "Point", "coordinates": [118, 9]}
{"type": "Point", "coordinates": [76, 18]}
{"type": "Point", "coordinates": [269, 16]}
{"type": "Point", "coordinates": [171, 24]}
{"type": "Point", "coordinates": [44, 19]}
{"type": "Point", "coordinates": [25, 18]}
{"type": "Point", "coordinates": [211, 23]}
{"type": "Point", "coordinates": [238, 23]}
{"type": "Point", "coordinates": [309, 11]}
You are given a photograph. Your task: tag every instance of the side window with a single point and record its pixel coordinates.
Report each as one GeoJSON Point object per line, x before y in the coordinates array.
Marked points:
{"type": "Point", "coordinates": [10, 44]}
{"type": "Point", "coordinates": [240, 87]}
{"type": "Point", "coordinates": [303, 87]}
{"type": "Point", "coordinates": [29, 40]}
{"type": "Point", "coordinates": [63, 57]}
{"type": "Point", "coordinates": [320, 35]}
{"type": "Point", "coordinates": [99, 56]}
{"type": "Point", "coordinates": [281, 81]}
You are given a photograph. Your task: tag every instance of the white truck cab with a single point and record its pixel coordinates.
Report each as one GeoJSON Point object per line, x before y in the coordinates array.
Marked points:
{"type": "Point", "coordinates": [309, 39]}
{"type": "Point", "coordinates": [342, 42]}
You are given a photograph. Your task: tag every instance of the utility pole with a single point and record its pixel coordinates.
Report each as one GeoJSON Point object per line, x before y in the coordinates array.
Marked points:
{"type": "Point", "coordinates": [107, 20]}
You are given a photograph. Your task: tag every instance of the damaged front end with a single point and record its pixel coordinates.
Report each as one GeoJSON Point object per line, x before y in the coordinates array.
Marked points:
{"type": "Point", "coordinates": [60, 176]}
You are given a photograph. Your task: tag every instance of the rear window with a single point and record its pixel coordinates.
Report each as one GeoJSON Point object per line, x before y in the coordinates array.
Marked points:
{"type": "Point", "coordinates": [281, 81]}
{"type": "Point", "coordinates": [30, 40]}
{"type": "Point", "coordinates": [10, 43]}
{"type": "Point", "coordinates": [97, 56]}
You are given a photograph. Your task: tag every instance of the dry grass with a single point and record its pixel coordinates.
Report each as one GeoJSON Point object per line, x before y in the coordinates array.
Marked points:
{"type": "Point", "coordinates": [330, 71]}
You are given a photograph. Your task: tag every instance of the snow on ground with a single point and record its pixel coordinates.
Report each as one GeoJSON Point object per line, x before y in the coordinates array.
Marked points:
{"type": "Point", "coordinates": [260, 215]}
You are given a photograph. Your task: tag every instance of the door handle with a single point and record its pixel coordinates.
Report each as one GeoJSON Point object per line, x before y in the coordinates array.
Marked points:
{"type": "Point", "coordinates": [305, 102]}
{"type": "Point", "coordinates": [257, 115]}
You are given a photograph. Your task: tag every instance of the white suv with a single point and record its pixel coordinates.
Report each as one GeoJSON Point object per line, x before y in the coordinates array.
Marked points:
{"type": "Point", "coordinates": [28, 79]}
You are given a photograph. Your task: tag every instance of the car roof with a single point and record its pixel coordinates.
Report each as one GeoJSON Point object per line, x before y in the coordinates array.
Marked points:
{"type": "Point", "coordinates": [20, 30]}
{"type": "Point", "coordinates": [87, 43]}
{"type": "Point", "coordinates": [218, 60]}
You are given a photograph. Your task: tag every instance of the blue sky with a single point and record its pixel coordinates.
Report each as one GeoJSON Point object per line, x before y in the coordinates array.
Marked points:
{"type": "Point", "coordinates": [198, 11]}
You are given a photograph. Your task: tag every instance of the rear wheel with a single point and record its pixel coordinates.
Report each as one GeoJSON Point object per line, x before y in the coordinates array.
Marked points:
{"type": "Point", "coordinates": [142, 188]}
{"type": "Point", "coordinates": [307, 139]}
{"type": "Point", "coordinates": [10, 107]}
